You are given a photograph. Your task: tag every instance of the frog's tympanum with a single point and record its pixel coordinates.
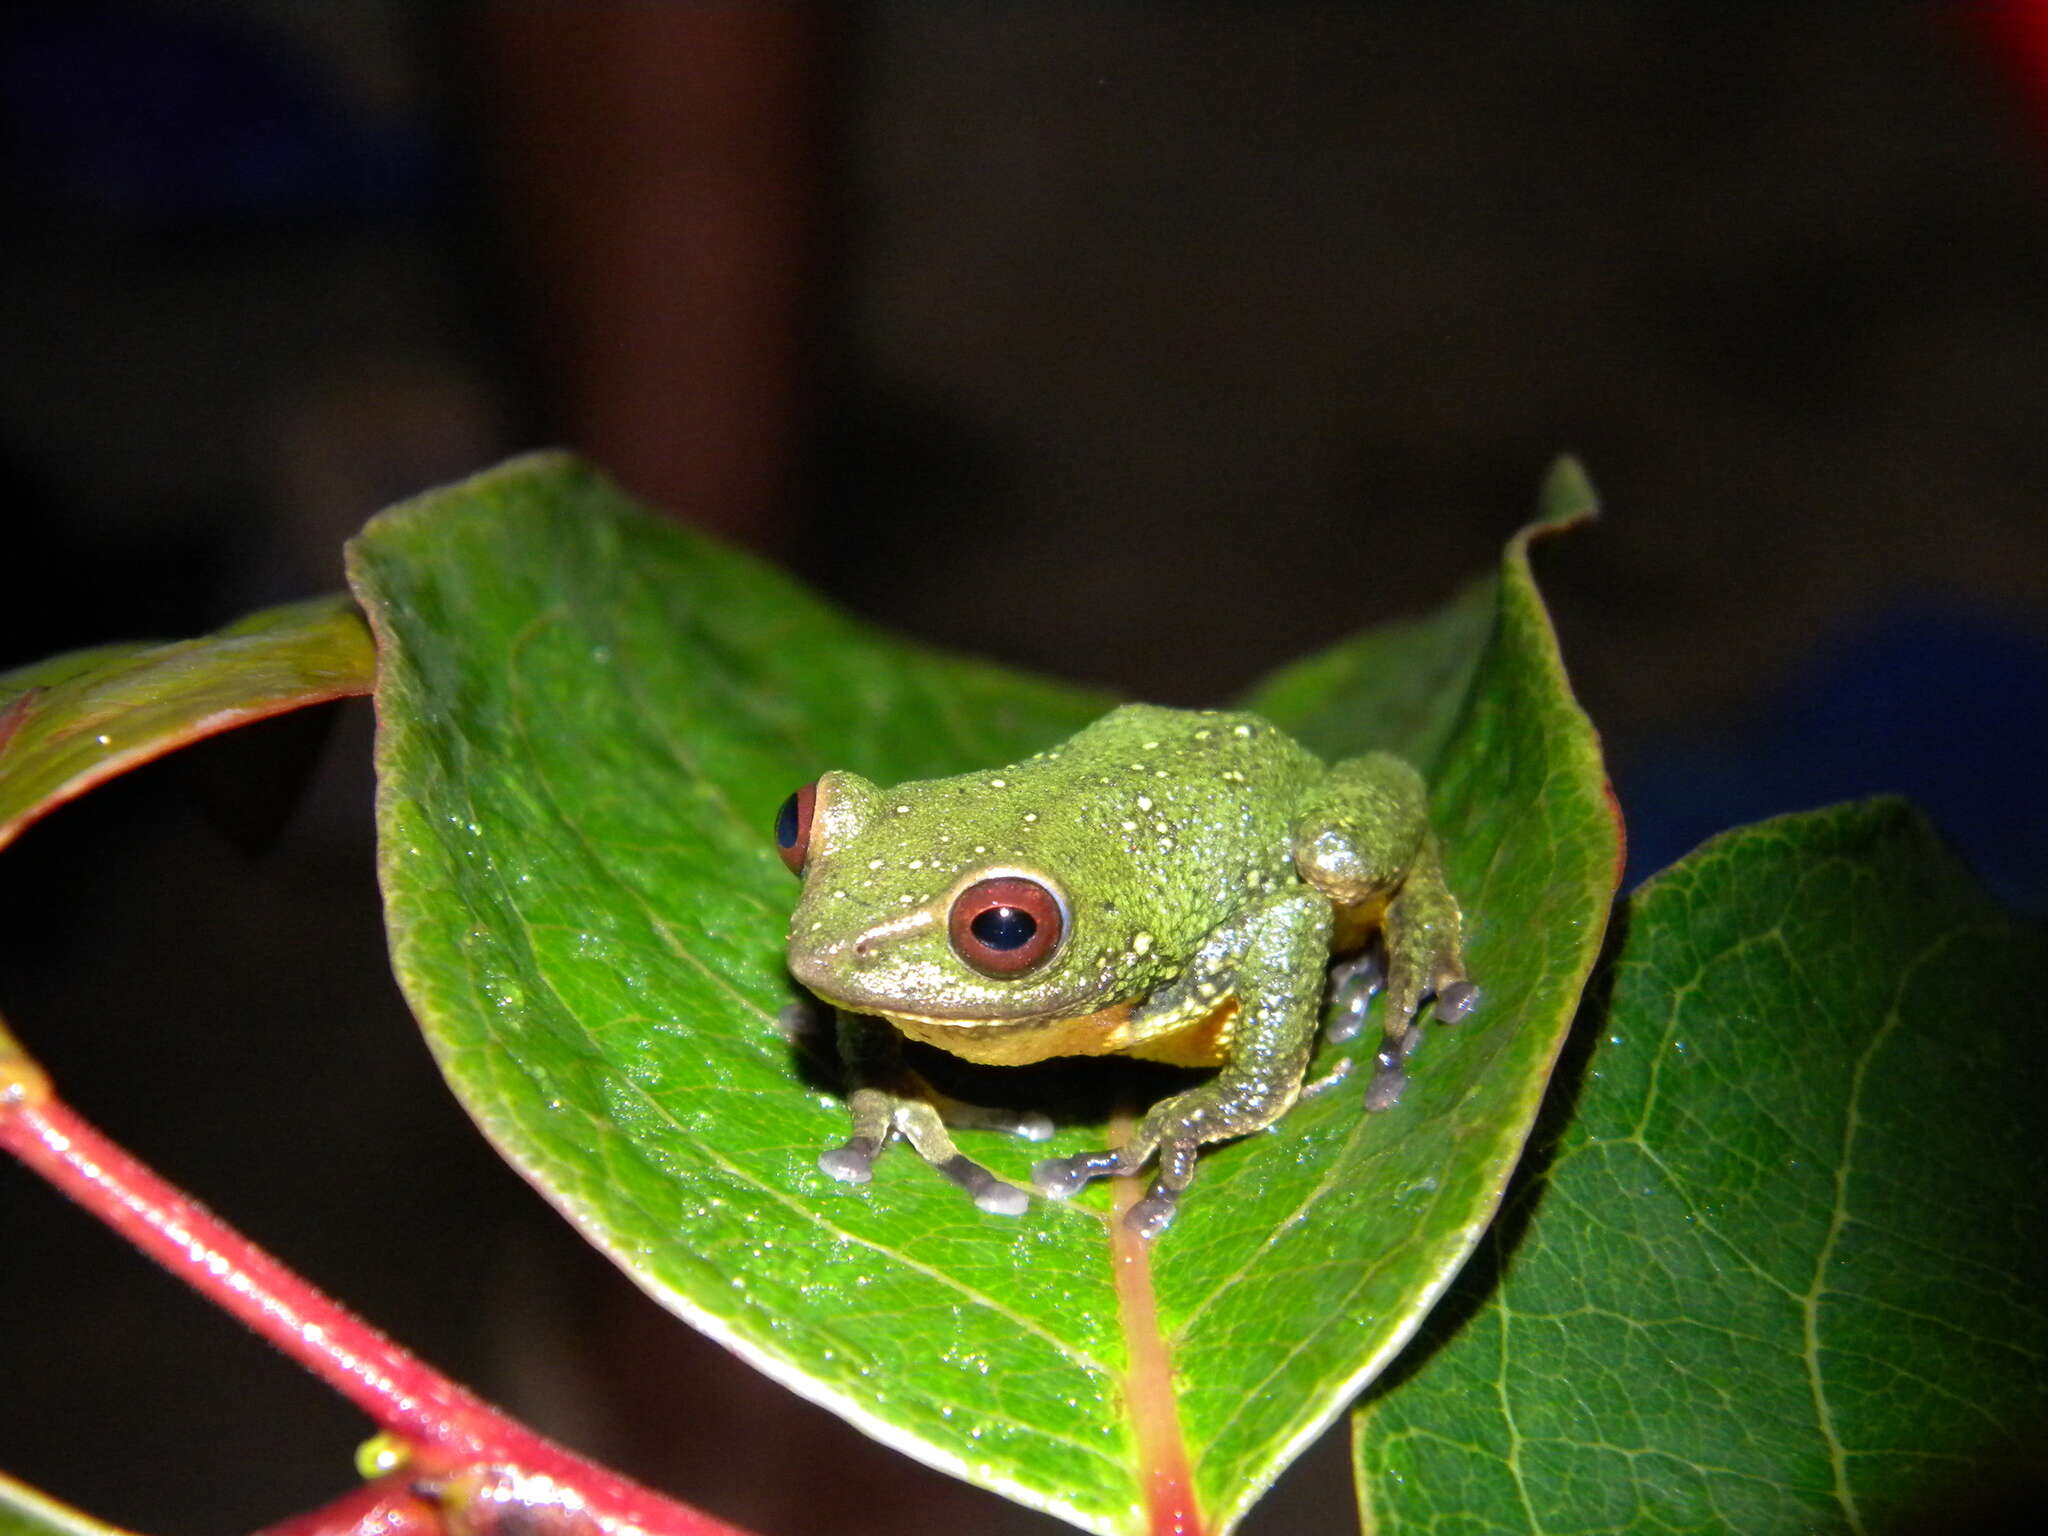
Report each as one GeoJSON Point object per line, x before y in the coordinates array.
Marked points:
{"type": "Point", "coordinates": [1167, 884]}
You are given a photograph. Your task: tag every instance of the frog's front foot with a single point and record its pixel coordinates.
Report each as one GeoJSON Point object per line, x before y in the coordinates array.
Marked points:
{"type": "Point", "coordinates": [1425, 958]}
{"type": "Point", "coordinates": [921, 1117]}
{"type": "Point", "coordinates": [1174, 1130]}
{"type": "Point", "coordinates": [1060, 1178]}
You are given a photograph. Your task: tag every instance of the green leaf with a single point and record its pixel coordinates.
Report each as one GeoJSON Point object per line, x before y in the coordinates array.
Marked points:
{"type": "Point", "coordinates": [25, 1512]}
{"type": "Point", "coordinates": [588, 719]}
{"type": "Point", "coordinates": [1783, 1270]}
{"type": "Point", "coordinates": [74, 721]}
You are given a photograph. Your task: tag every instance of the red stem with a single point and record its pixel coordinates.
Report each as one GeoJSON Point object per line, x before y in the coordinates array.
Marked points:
{"type": "Point", "coordinates": [450, 1426]}
{"type": "Point", "coordinates": [386, 1507]}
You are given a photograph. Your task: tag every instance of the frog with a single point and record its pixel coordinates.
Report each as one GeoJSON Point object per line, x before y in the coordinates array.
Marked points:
{"type": "Point", "coordinates": [1170, 885]}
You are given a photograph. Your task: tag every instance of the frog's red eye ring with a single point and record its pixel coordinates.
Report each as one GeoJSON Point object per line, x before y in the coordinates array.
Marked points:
{"type": "Point", "coordinates": [793, 827]}
{"type": "Point", "coordinates": [1005, 925]}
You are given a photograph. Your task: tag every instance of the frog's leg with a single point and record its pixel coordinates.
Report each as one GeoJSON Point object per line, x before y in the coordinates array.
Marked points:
{"type": "Point", "coordinates": [1362, 837]}
{"type": "Point", "coordinates": [1271, 959]}
{"type": "Point", "coordinates": [889, 1099]}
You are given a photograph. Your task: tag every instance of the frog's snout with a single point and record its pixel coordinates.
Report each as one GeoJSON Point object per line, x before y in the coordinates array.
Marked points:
{"type": "Point", "coordinates": [809, 968]}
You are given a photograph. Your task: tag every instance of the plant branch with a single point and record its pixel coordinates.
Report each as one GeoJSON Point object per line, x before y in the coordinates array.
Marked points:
{"type": "Point", "coordinates": [386, 1507]}
{"type": "Point", "coordinates": [452, 1433]}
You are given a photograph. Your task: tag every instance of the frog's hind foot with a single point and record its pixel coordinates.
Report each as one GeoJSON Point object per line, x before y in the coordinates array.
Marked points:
{"type": "Point", "coordinates": [1354, 983]}
{"type": "Point", "coordinates": [1425, 959]}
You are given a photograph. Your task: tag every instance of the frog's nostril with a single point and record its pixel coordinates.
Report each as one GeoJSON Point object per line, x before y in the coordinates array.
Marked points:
{"type": "Point", "coordinates": [860, 946]}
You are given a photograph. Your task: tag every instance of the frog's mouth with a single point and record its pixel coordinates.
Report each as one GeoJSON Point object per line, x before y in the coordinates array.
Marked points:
{"type": "Point", "coordinates": [1019, 1042]}
{"type": "Point", "coordinates": [844, 988]}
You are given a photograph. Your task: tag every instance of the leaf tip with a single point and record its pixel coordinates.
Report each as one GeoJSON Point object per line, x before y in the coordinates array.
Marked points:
{"type": "Point", "coordinates": [1567, 498]}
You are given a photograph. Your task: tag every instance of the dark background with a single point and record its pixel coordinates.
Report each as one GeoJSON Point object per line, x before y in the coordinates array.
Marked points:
{"type": "Point", "coordinates": [1153, 346]}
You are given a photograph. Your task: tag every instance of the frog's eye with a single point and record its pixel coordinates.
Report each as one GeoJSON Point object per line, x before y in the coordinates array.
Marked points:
{"type": "Point", "coordinates": [793, 827]}
{"type": "Point", "coordinates": [1005, 925]}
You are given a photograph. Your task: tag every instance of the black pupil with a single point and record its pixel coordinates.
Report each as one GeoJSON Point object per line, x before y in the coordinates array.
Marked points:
{"type": "Point", "coordinates": [1004, 927]}
{"type": "Point", "coordinates": [785, 824]}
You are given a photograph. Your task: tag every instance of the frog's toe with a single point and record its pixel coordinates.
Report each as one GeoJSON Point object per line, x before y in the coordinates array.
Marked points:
{"type": "Point", "coordinates": [1365, 972]}
{"type": "Point", "coordinates": [1153, 1214]}
{"type": "Point", "coordinates": [1004, 1200]}
{"type": "Point", "coordinates": [1061, 1178]}
{"type": "Point", "coordinates": [1032, 1126]}
{"type": "Point", "coordinates": [992, 1194]}
{"type": "Point", "coordinates": [1456, 1000]}
{"type": "Point", "coordinates": [1344, 1027]}
{"type": "Point", "coordinates": [853, 1163]}
{"type": "Point", "coordinates": [1347, 1022]}
{"type": "Point", "coordinates": [1353, 985]}
{"type": "Point", "coordinates": [1384, 1091]}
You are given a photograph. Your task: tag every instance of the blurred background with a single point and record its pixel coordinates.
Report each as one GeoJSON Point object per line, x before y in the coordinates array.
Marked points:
{"type": "Point", "coordinates": [1149, 345]}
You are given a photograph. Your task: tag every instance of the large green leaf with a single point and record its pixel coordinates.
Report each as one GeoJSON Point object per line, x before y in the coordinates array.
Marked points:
{"type": "Point", "coordinates": [1783, 1269]}
{"type": "Point", "coordinates": [587, 718]}
{"type": "Point", "coordinates": [79, 719]}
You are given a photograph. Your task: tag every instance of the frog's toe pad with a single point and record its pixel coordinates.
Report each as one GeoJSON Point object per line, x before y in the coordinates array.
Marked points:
{"type": "Point", "coordinates": [853, 1163]}
{"type": "Point", "coordinates": [1059, 1178]}
{"type": "Point", "coordinates": [1455, 1001]}
{"type": "Point", "coordinates": [1384, 1091]}
{"type": "Point", "coordinates": [1033, 1126]}
{"type": "Point", "coordinates": [989, 1192]}
{"type": "Point", "coordinates": [1153, 1214]}
{"type": "Point", "coordinates": [1346, 1023]}
{"type": "Point", "coordinates": [1002, 1199]}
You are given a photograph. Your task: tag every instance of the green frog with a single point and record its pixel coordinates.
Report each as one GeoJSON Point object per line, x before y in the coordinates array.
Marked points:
{"type": "Point", "coordinates": [1166, 884]}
